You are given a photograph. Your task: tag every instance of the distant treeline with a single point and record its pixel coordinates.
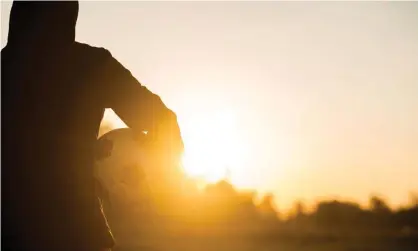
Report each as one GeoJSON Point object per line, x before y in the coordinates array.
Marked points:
{"type": "Point", "coordinates": [222, 206]}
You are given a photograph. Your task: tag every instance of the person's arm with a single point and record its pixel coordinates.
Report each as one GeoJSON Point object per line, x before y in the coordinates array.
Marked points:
{"type": "Point", "coordinates": [141, 109]}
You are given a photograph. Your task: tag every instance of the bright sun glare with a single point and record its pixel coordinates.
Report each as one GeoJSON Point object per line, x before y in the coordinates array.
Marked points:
{"type": "Point", "coordinates": [213, 146]}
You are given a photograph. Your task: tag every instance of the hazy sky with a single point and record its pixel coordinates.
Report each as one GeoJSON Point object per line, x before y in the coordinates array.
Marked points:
{"type": "Point", "coordinates": [323, 95]}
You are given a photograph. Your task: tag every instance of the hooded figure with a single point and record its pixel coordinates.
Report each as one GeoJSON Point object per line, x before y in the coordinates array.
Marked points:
{"type": "Point", "coordinates": [43, 23]}
{"type": "Point", "coordinates": [54, 93]}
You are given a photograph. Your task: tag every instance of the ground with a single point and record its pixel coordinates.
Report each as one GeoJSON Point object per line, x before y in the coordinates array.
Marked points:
{"type": "Point", "coordinates": [269, 244]}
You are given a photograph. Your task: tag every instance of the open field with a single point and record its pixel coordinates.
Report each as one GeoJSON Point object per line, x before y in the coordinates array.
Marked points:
{"type": "Point", "coordinates": [282, 242]}
{"type": "Point", "coordinates": [279, 244]}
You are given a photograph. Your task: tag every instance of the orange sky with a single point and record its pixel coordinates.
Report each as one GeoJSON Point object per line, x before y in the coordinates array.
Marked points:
{"type": "Point", "coordinates": [303, 99]}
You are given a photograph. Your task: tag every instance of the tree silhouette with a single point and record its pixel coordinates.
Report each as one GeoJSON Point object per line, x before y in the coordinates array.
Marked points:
{"type": "Point", "coordinates": [378, 205]}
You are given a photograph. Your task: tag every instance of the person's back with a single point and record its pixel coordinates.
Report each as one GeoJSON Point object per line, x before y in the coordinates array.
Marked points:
{"type": "Point", "coordinates": [54, 92]}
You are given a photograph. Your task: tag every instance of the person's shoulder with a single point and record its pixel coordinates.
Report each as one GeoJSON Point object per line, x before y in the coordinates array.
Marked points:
{"type": "Point", "coordinates": [4, 52]}
{"type": "Point", "coordinates": [92, 51]}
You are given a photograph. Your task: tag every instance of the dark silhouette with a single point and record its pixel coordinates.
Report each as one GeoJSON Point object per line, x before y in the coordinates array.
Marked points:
{"type": "Point", "coordinates": [54, 93]}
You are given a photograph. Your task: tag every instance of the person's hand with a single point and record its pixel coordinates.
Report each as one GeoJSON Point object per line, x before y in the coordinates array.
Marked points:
{"type": "Point", "coordinates": [164, 140]}
{"type": "Point", "coordinates": [168, 143]}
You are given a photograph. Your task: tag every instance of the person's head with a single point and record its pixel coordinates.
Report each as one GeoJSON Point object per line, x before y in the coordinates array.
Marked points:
{"type": "Point", "coordinates": [44, 22]}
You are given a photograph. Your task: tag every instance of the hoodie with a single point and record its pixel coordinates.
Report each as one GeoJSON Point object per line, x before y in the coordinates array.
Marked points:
{"type": "Point", "coordinates": [36, 23]}
{"type": "Point", "coordinates": [54, 94]}
{"type": "Point", "coordinates": [47, 202]}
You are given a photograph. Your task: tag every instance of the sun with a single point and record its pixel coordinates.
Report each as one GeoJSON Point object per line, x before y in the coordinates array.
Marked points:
{"type": "Point", "coordinates": [213, 148]}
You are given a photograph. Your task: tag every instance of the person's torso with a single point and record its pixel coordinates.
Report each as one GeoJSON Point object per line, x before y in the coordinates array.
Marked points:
{"type": "Point", "coordinates": [52, 107]}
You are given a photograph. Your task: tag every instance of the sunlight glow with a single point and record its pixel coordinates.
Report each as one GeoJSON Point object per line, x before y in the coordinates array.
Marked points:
{"type": "Point", "coordinates": [213, 148]}
{"type": "Point", "coordinates": [113, 119]}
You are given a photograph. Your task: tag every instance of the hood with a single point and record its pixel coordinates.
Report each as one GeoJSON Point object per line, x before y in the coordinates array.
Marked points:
{"type": "Point", "coordinates": [35, 23]}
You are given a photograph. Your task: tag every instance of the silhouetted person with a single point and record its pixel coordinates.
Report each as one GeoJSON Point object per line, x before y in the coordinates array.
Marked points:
{"type": "Point", "coordinates": [54, 92]}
